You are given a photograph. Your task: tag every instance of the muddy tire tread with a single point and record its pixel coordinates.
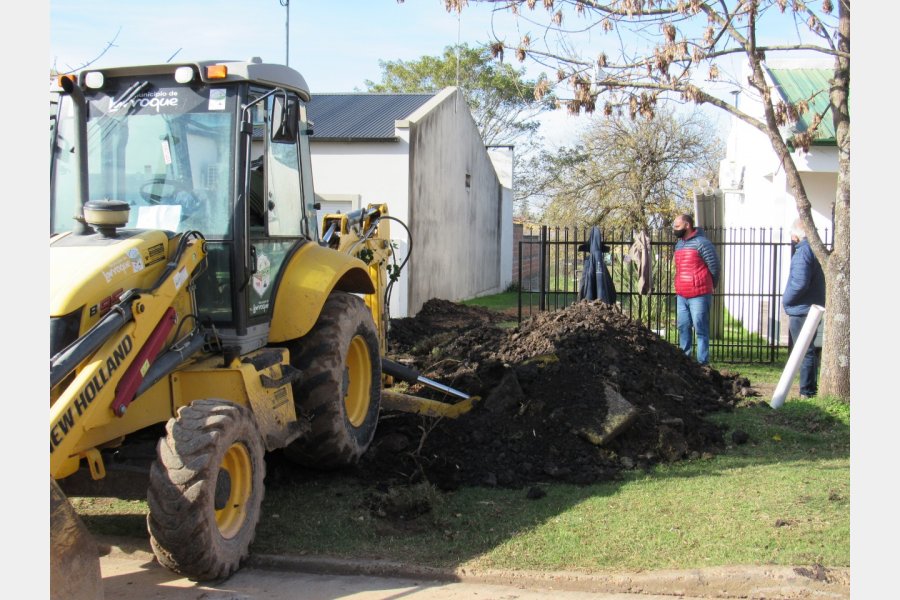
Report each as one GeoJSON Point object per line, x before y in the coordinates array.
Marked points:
{"type": "Point", "coordinates": [333, 442]}
{"type": "Point", "coordinates": [181, 519]}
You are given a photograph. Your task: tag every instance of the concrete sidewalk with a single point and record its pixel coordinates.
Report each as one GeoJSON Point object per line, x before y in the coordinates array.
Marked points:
{"type": "Point", "coordinates": [130, 571]}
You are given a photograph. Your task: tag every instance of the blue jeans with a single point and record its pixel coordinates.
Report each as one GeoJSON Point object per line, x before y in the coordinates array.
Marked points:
{"type": "Point", "coordinates": [809, 368]}
{"type": "Point", "coordinates": [693, 317]}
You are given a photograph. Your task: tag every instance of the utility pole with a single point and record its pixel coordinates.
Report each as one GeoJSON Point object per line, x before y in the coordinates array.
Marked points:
{"type": "Point", "coordinates": [287, 30]}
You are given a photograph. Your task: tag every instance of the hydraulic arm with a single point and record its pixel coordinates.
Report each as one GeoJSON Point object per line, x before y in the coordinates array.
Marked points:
{"type": "Point", "coordinates": [120, 348]}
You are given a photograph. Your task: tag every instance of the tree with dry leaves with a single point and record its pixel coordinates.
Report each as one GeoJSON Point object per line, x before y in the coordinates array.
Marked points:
{"type": "Point", "coordinates": [634, 174]}
{"type": "Point", "coordinates": [656, 50]}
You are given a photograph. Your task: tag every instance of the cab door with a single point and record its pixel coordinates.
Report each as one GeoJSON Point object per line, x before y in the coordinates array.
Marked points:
{"type": "Point", "coordinates": [278, 222]}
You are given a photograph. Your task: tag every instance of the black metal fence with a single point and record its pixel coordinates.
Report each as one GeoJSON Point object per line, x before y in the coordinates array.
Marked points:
{"type": "Point", "coordinates": [747, 324]}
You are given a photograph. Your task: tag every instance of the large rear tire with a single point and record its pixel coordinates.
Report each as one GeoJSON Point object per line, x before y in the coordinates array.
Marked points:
{"type": "Point", "coordinates": [340, 391]}
{"type": "Point", "coordinates": [206, 490]}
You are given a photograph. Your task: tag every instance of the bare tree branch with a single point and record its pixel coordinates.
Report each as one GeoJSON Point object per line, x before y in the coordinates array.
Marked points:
{"type": "Point", "coordinates": [109, 44]}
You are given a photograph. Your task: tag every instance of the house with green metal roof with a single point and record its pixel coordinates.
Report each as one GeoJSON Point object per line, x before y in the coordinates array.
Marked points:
{"type": "Point", "coordinates": [810, 86]}
{"type": "Point", "coordinates": [754, 189]}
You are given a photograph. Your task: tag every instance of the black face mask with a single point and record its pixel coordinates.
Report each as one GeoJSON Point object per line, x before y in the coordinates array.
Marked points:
{"type": "Point", "coordinates": [679, 233]}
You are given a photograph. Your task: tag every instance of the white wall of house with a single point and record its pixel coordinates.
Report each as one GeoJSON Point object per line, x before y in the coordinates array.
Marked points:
{"type": "Point", "coordinates": [502, 158]}
{"type": "Point", "coordinates": [756, 195]}
{"type": "Point", "coordinates": [370, 173]}
{"type": "Point", "coordinates": [765, 199]}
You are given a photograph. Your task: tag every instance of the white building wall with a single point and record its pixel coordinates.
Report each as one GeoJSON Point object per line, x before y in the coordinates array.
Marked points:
{"type": "Point", "coordinates": [503, 159]}
{"type": "Point", "coordinates": [455, 205]}
{"type": "Point", "coordinates": [377, 172]}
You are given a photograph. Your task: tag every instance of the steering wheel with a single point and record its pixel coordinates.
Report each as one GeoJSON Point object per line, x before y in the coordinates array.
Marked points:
{"type": "Point", "coordinates": [160, 190]}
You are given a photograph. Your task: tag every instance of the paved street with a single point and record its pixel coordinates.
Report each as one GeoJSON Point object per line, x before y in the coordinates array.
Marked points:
{"type": "Point", "coordinates": [138, 577]}
{"type": "Point", "coordinates": [130, 572]}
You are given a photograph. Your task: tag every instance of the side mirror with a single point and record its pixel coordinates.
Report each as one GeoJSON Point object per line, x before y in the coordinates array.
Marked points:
{"type": "Point", "coordinates": [285, 120]}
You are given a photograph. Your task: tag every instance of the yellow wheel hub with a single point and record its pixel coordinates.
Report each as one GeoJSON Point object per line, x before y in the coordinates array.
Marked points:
{"type": "Point", "coordinates": [233, 488]}
{"type": "Point", "coordinates": [359, 386]}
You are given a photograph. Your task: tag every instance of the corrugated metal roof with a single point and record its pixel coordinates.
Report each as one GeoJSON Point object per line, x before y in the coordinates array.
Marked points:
{"type": "Point", "coordinates": [813, 86]}
{"type": "Point", "coordinates": [360, 117]}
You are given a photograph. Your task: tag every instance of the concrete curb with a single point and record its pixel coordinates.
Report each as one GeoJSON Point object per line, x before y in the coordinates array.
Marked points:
{"type": "Point", "coordinates": [769, 582]}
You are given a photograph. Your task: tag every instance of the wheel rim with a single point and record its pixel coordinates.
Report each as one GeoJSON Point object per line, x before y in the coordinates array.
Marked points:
{"type": "Point", "coordinates": [236, 470]}
{"type": "Point", "coordinates": [359, 373]}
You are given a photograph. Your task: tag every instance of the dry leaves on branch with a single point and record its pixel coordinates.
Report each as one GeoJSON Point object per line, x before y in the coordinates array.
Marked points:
{"type": "Point", "coordinates": [541, 89]}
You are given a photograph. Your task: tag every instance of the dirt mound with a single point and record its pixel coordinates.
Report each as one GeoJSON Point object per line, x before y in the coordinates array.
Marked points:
{"type": "Point", "coordinates": [436, 319]}
{"type": "Point", "coordinates": [575, 395]}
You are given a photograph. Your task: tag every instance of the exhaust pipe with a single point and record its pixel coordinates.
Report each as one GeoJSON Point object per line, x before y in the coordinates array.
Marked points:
{"type": "Point", "coordinates": [70, 87]}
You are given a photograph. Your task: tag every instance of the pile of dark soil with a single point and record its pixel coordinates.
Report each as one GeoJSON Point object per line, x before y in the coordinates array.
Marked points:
{"type": "Point", "coordinates": [548, 389]}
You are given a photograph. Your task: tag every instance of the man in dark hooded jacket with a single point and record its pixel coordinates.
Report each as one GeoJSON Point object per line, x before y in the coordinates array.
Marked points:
{"type": "Point", "coordinates": [596, 282]}
{"type": "Point", "coordinates": [696, 276]}
{"type": "Point", "coordinates": [805, 287]}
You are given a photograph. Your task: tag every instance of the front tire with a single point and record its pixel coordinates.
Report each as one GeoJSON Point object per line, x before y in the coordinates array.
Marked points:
{"type": "Point", "coordinates": [206, 490]}
{"type": "Point", "coordinates": [340, 391]}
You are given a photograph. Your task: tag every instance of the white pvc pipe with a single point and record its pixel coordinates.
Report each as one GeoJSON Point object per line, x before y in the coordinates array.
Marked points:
{"type": "Point", "coordinates": [806, 337]}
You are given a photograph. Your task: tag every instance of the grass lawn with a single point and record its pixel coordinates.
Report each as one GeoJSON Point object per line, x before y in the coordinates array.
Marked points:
{"type": "Point", "coordinates": [782, 498]}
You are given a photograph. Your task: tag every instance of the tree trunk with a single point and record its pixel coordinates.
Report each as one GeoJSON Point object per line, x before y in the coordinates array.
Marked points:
{"type": "Point", "coordinates": [835, 375]}
{"type": "Point", "coordinates": [834, 378]}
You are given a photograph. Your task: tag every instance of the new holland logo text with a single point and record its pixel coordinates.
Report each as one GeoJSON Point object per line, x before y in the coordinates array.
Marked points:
{"type": "Point", "coordinates": [66, 422]}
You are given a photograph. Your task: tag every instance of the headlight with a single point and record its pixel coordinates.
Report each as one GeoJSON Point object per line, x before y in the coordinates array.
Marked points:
{"type": "Point", "coordinates": [94, 80]}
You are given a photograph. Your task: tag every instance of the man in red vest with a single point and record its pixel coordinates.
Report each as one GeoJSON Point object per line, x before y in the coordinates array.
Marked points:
{"type": "Point", "coordinates": [696, 275]}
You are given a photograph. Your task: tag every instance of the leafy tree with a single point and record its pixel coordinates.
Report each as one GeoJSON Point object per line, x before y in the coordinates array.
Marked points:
{"type": "Point", "coordinates": [659, 49]}
{"type": "Point", "coordinates": [501, 99]}
{"type": "Point", "coordinates": [631, 173]}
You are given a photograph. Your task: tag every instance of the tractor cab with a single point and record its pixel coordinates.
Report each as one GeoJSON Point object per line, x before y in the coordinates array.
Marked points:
{"type": "Point", "coordinates": [215, 147]}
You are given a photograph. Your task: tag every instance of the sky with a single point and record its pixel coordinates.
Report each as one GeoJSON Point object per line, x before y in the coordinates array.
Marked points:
{"type": "Point", "coordinates": [335, 45]}
{"type": "Point", "coordinates": [334, 50]}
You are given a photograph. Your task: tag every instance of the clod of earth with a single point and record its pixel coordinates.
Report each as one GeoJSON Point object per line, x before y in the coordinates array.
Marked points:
{"type": "Point", "coordinates": [739, 437]}
{"type": "Point", "coordinates": [619, 415]}
{"type": "Point", "coordinates": [576, 395]}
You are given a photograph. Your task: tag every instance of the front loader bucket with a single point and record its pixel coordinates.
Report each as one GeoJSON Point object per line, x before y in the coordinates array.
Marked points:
{"type": "Point", "coordinates": [74, 557]}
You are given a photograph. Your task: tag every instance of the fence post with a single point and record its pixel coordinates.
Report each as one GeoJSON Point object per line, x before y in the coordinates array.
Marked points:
{"type": "Point", "coordinates": [544, 249]}
{"type": "Point", "coordinates": [519, 294]}
{"type": "Point", "coordinates": [774, 308]}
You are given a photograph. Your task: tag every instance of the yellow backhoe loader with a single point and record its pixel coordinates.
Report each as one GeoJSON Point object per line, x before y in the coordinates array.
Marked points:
{"type": "Point", "coordinates": [194, 298]}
